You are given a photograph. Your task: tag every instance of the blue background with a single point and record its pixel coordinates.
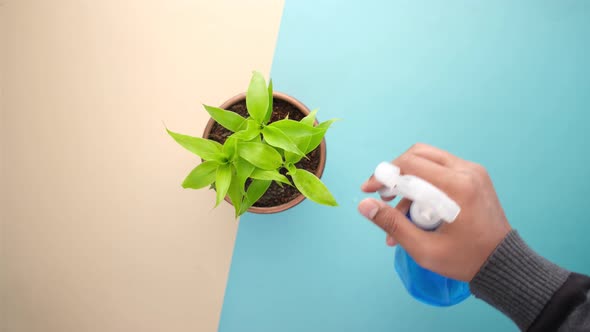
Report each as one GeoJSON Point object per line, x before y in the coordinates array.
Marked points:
{"type": "Point", "coordinates": [502, 83]}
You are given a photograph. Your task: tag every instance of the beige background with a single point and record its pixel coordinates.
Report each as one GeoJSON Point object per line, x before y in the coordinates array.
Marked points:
{"type": "Point", "coordinates": [96, 232]}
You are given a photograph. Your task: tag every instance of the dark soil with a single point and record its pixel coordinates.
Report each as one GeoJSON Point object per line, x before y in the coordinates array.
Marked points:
{"type": "Point", "coordinates": [275, 195]}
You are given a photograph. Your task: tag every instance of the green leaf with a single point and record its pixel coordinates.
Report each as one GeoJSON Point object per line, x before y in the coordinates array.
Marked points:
{"type": "Point", "coordinates": [270, 100]}
{"type": "Point", "coordinates": [260, 174]}
{"type": "Point", "coordinates": [252, 130]}
{"type": "Point", "coordinates": [293, 128]}
{"type": "Point", "coordinates": [256, 189]}
{"type": "Point", "coordinates": [260, 155]}
{"type": "Point", "coordinates": [275, 137]}
{"type": "Point", "coordinates": [302, 144]}
{"type": "Point", "coordinates": [243, 169]}
{"type": "Point", "coordinates": [311, 187]}
{"type": "Point", "coordinates": [227, 119]}
{"type": "Point", "coordinates": [236, 193]}
{"type": "Point", "coordinates": [222, 182]}
{"type": "Point", "coordinates": [201, 176]}
{"type": "Point", "coordinates": [230, 146]}
{"type": "Point", "coordinates": [257, 97]}
{"type": "Point", "coordinates": [204, 148]}
{"type": "Point", "coordinates": [316, 139]}
{"type": "Point", "coordinates": [310, 118]}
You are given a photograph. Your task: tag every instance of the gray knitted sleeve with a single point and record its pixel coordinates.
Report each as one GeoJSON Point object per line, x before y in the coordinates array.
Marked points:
{"type": "Point", "coordinates": [517, 281]}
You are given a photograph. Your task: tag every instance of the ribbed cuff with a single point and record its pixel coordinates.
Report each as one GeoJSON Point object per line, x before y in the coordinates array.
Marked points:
{"type": "Point", "coordinates": [517, 281]}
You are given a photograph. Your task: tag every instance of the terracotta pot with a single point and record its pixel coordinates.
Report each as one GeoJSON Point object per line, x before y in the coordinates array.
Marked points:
{"type": "Point", "coordinates": [303, 109]}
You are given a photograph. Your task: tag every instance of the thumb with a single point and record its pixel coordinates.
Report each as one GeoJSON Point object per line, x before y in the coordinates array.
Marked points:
{"type": "Point", "coordinates": [395, 223]}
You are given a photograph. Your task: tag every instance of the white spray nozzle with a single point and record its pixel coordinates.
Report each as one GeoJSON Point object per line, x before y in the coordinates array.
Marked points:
{"type": "Point", "coordinates": [430, 205]}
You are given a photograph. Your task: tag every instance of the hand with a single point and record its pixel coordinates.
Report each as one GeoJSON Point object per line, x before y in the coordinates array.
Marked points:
{"type": "Point", "coordinates": [456, 250]}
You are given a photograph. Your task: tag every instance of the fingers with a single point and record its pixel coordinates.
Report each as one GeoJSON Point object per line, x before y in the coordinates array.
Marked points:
{"type": "Point", "coordinates": [434, 154]}
{"type": "Point", "coordinates": [432, 164]}
{"type": "Point", "coordinates": [390, 241]}
{"type": "Point", "coordinates": [395, 223]}
{"type": "Point", "coordinates": [371, 185]}
{"type": "Point", "coordinates": [403, 206]}
{"type": "Point", "coordinates": [440, 176]}
{"type": "Point", "coordinates": [387, 198]}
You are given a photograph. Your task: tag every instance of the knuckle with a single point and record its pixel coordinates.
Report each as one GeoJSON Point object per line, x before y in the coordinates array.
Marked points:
{"type": "Point", "coordinates": [479, 170]}
{"type": "Point", "coordinates": [417, 147]}
{"type": "Point", "coordinates": [405, 161]}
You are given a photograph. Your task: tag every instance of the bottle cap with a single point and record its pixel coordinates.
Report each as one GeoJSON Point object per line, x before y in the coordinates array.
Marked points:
{"type": "Point", "coordinates": [430, 206]}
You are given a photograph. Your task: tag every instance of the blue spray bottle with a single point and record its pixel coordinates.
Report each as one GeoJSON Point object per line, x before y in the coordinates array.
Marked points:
{"type": "Point", "coordinates": [430, 208]}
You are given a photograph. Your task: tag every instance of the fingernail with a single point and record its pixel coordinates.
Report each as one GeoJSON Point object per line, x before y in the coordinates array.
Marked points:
{"type": "Point", "coordinates": [368, 208]}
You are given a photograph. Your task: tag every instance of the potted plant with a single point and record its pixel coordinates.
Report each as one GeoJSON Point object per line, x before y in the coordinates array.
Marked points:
{"type": "Point", "coordinates": [262, 151]}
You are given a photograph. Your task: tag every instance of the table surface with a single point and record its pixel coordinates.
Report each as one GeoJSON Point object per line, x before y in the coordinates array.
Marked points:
{"type": "Point", "coordinates": [96, 233]}
{"type": "Point", "coordinates": [501, 83]}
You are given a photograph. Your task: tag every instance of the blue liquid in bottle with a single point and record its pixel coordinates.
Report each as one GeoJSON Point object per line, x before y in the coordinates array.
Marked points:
{"type": "Point", "coordinates": [426, 286]}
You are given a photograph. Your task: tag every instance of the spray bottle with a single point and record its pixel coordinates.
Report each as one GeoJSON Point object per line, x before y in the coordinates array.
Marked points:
{"type": "Point", "coordinates": [430, 208]}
